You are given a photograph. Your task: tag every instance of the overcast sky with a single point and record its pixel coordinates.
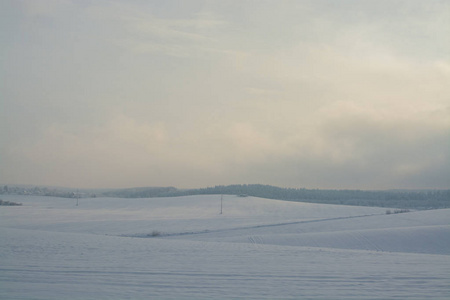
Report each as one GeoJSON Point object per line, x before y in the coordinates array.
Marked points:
{"type": "Point", "coordinates": [315, 94]}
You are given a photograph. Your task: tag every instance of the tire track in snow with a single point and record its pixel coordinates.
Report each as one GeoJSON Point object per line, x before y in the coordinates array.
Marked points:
{"type": "Point", "coordinates": [162, 235]}
{"type": "Point", "coordinates": [256, 240]}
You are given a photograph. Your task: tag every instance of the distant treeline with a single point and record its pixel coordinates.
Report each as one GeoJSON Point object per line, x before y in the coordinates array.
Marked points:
{"type": "Point", "coordinates": [144, 192]}
{"type": "Point", "coordinates": [407, 199]}
{"type": "Point", "coordinates": [44, 191]}
{"type": "Point", "coordinates": [422, 199]}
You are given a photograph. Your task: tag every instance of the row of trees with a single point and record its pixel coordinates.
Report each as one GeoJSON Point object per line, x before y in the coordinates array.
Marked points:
{"type": "Point", "coordinates": [146, 192]}
{"type": "Point", "coordinates": [42, 191]}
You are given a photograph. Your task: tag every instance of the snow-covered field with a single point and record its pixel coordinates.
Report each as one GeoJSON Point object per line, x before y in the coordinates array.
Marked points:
{"type": "Point", "coordinates": [183, 248]}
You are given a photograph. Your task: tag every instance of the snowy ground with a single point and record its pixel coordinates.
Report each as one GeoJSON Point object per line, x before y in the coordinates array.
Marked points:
{"type": "Point", "coordinates": [182, 248]}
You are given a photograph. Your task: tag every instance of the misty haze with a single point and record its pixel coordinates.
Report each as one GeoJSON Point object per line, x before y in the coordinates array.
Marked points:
{"type": "Point", "coordinates": [205, 149]}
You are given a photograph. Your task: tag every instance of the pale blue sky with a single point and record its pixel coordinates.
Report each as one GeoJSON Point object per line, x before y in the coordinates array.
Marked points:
{"type": "Point", "coordinates": [316, 94]}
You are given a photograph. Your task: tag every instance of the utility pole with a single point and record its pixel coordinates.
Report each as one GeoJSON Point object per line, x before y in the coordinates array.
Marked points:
{"type": "Point", "coordinates": [221, 201]}
{"type": "Point", "coordinates": [77, 197]}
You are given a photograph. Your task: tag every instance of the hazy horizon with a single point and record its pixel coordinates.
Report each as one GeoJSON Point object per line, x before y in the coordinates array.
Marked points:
{"type": "Point", "coordinates": [303, 94]}
{"type": "Point", "coordinates": [9, 185]}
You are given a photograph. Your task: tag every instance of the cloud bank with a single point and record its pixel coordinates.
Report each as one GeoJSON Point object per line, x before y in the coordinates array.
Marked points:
{"type": "Point", "coordinates": [316, 94]}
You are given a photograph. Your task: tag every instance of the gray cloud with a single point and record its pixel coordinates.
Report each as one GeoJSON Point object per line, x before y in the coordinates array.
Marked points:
{"type": "Point", "coordinates": [304, 94]}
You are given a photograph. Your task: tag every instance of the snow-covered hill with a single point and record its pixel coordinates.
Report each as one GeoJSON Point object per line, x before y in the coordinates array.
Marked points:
{"type": "Point", "coordinates": [183, 248]}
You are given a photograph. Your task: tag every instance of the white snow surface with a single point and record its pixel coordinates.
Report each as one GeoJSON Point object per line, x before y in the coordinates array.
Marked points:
{"type": "Point", "coordinates": [183, 248]}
